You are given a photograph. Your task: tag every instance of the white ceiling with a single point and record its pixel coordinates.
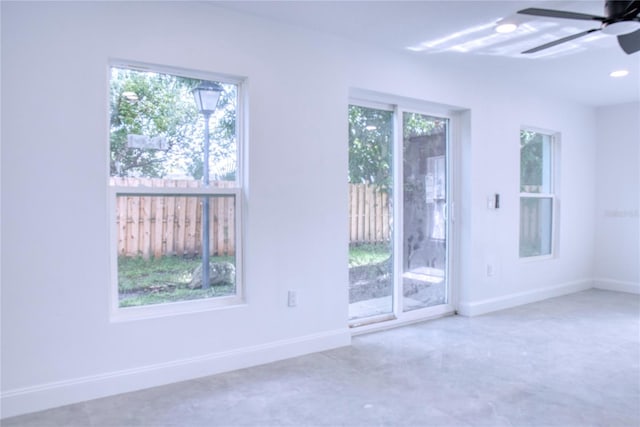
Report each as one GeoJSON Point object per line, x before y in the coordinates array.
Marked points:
{"type": "Point", "coordinates": [461, 33]}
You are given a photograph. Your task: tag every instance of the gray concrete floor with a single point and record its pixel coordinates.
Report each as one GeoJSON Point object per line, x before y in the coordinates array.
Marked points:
{"type": "Point", "coordinates": [568, 361]}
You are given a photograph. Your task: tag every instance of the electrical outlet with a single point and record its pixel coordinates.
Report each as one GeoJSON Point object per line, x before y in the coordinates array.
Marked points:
{"type": "Point", "coordinates": [292, 299]}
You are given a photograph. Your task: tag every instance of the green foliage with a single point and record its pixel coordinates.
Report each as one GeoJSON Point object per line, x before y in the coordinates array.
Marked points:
{"type": "Point", "coordinates": [416, 124]}
{"type": "Point", "coordinates": [530, 159]}
{"type": "Point", "coordinates": [179, 294]}
{"type": "Point", "coordinates": [370, 146]}
{"type": "Point", "coordinates": [162, 105]}
{"type": "Point", "coordinates": [368, 254]}
{"type": "Point", "coordinates": [138, 274]}
{"type": "Point", "coordinates": [162, 280]}
{"type": "Point", "coordinates": [371, 142]}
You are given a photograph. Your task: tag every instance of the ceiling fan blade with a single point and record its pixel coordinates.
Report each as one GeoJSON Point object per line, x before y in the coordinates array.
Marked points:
{"type": "Point", "coordinates": [630, 42]}
{"type": "Point", "coordinates": [632, 10]}
{"type": "Point", "coordinates": [559, 41]}
{"type": "Point", "coordinates": [560, 14]}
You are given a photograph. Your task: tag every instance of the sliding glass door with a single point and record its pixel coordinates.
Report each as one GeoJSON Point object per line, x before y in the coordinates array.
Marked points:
{"type": "Point", "coordinates": [398, 213]}
{"type": "Point", "coordinates": [424, 206]}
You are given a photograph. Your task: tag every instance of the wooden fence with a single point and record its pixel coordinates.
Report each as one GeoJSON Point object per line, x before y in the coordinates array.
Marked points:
{"type": "Point", "coordinates": [368, 214]}
{"type": "Point", "coordinates": [152, 225]}
{"type": "Point", "coordinates": [160, 225]}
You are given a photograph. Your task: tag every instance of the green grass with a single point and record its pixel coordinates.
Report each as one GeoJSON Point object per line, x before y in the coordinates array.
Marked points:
{"type": "Point", "coordinates": [178, 294]}
{"type": "Point", "coordinates": [166, 279]}
{"type": "Point", "coordinates": [368, 254]}
{"type": "Point", "coordinates": [162, 280]}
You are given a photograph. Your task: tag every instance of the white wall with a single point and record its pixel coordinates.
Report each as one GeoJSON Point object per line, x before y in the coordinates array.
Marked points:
{"type": "Point", "coordinates": [58, 345]}
{"type": "Point", "coordinates": [617, 246]}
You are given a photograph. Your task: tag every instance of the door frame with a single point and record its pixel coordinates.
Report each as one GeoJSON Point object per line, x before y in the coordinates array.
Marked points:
{"type": "Point", "coordinates": [400, 105]}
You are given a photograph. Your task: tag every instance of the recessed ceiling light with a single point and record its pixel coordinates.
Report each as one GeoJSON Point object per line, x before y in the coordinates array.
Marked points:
{"type": "Point", "coordinates": [619, 73]}
{"type": "Point", "coordinates": [505, 28]}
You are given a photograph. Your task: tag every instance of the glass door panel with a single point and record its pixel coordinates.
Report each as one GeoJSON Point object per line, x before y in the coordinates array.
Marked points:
{"type": "Point", "coordinates": [371, 137]}
{"type": "Point", "coordinates": [424, 275]}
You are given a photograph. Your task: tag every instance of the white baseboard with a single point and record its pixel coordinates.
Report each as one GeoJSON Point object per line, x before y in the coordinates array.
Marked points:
{"type": "Point", "coordinates": [44, 396]}
{"type": "Point", "coordinates": [616, 285]}
{"type": "Point", "coordinates": [50, 395]}
{"type": "Point", "coordinates": [477, 308]}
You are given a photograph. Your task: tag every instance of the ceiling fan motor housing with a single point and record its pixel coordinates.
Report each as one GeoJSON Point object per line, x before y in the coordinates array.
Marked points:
{"type": "Point", "coordinates": [614, 9]}
{"type": "Point", "coordinates": [617, 23]}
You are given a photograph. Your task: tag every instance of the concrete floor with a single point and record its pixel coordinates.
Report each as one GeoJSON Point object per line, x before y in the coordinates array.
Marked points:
{"type": "Point", "coordinates": [568, 361]}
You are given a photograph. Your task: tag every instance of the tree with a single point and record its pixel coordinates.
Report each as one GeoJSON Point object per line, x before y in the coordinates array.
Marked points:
{"type": "Point", "coordinates": [530, 158]}
{"type": "Point", "coordinates": [156, 104]}
{"type": "Point", "coordinates": [371, 142]}
{"type": "Point", "coordinates": [416, 125]}
{"type": "Point", "coordinates": [370, 146]}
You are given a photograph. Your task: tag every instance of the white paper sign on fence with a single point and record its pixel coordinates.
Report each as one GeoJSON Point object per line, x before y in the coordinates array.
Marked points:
{"type": "Point", "coordinates": [144, 142]}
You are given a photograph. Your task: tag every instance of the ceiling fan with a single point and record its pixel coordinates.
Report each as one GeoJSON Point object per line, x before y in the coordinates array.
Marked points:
{"type": "Point", "coordinates": [622, 20]}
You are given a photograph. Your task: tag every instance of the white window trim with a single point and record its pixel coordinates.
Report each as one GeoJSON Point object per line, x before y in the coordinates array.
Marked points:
{"type": "Point", "coordinates": [554, 138]}
{"type": "Point", "coordinates": [124, 314]}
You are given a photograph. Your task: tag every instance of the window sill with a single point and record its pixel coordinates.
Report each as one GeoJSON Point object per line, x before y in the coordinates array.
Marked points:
{"type": "Point", "coordinates": [128, 314]}
{"type": "Point", "coordinates": [536, 258]}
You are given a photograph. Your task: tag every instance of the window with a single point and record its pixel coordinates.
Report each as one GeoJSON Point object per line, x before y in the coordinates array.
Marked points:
{"type": "Point", "coordinates": [537, 197]}
{"type": "Point", "coordinates": [176, 202]}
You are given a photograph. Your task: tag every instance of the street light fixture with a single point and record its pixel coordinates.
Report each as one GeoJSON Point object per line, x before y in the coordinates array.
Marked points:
{"type": "Point", "coordinates": [206, 95]}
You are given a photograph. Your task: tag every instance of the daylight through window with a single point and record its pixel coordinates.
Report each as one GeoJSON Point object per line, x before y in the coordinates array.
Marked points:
{"type": "Point", "coordinates": [165, 209]}
{"type": "Point", "coordinates": [537, 198]}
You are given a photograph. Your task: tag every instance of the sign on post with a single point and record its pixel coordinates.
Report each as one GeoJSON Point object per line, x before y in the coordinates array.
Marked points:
{"type": "Point", "coordinates": [146, 143]}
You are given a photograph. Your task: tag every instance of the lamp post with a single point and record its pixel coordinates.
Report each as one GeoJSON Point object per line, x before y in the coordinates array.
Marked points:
{"type": "Point", "coordinates": [206, 95]}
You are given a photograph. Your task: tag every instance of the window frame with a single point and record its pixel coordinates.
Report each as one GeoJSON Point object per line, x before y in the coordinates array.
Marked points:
{"type": "Point", "coordinates": [119, 314]}
{"type": "Point", "coordinates": [552, 194]}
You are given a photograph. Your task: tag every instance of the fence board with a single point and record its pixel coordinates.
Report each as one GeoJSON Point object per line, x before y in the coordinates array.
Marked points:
{"type": "Point", "coordinates": [224, 230]}
{"type": "Point", "coordinates": [353, 216]}
{"type": "Point", "coordinates": [133, 222]}
{"type": "Point", "coordinates": [368, 194]}
{"type": "Point", "coordinates": [214, 223]}
{"type": "Point", "coordinates": [121, 217]}
{"type": "Point", "coordinates": [169, 222]}
{"type": "Point", "coordinates": [191, 208]}
{"type": "Point", "coordinates": [377, 234]}
{"type": "Point", "coordinates": [386, 216]}
{"type": "Point", "coordinates": [160, 223]}
{"type": "Point", "coordinates": [180, 224]}
{"type": "Point", "coordinates": [231, 228]}
{"type": "Point", "coordinates": [145, 223]}
{"type": "Point", "coordinates": [361, 217]}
